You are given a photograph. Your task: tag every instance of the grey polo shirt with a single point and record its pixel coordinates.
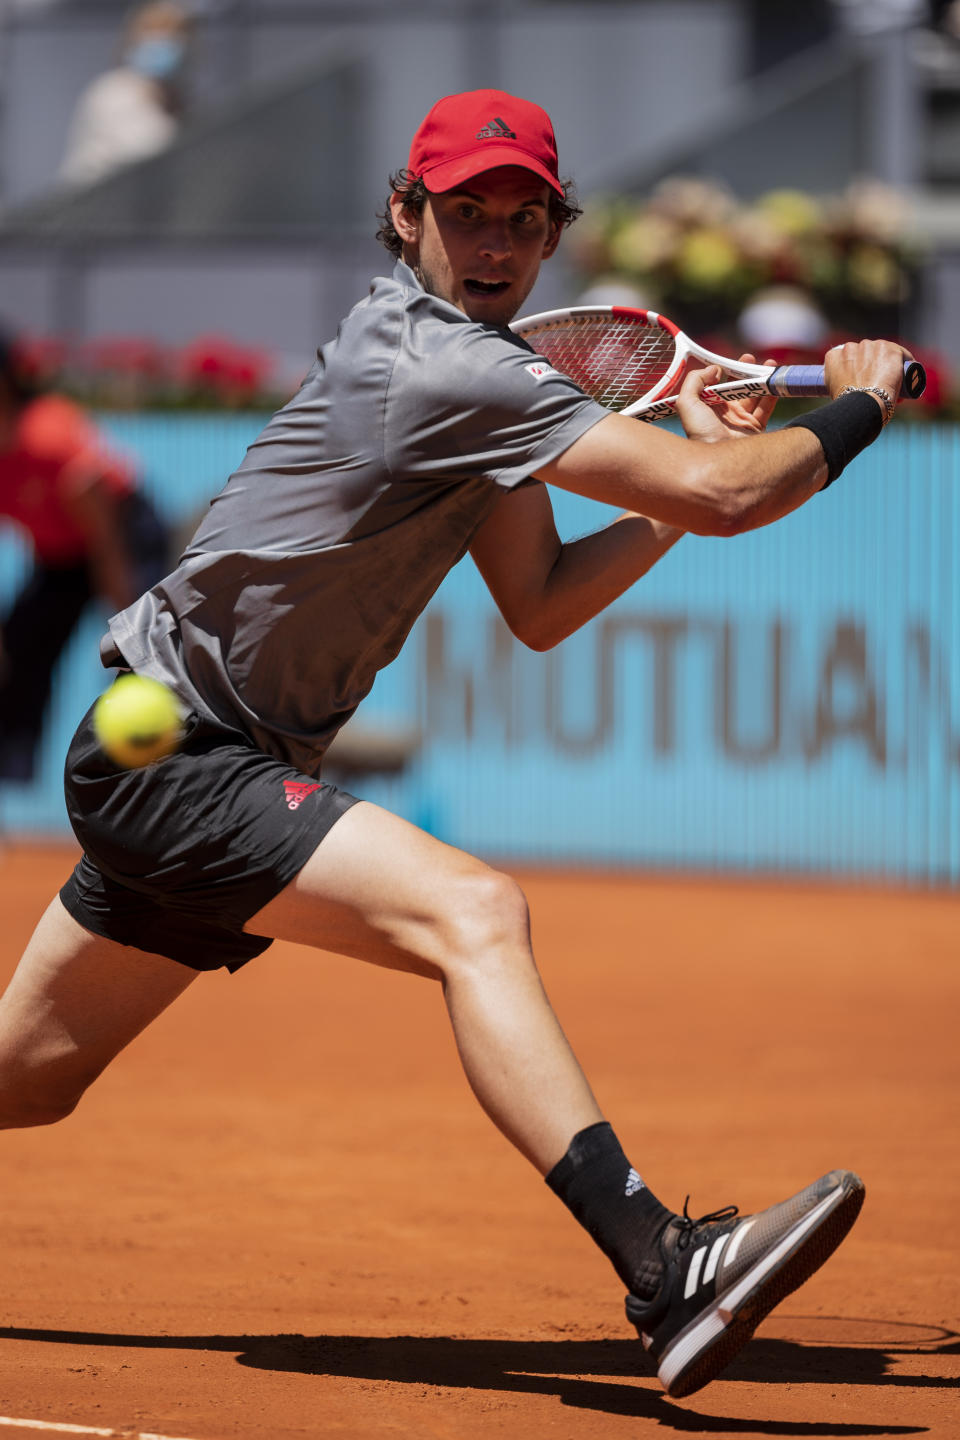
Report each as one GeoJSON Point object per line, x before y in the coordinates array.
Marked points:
{"type": "Point", "coordinates": [314, 561]}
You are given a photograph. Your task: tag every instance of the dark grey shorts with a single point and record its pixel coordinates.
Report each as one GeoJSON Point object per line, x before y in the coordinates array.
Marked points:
{"type": "Point", "coordinates": [178, 855]}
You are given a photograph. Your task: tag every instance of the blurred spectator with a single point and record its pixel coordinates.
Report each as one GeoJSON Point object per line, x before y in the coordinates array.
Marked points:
{"type": "Point", "coordinates": [945, 15]}
{"type": "Point", "coordinates": [133, 110]}
{"type": "Point", "coordinates": [783, 321]}
{"type": "Point", "coordinates": [93, 534]}
{"type": "Point", "coordinates": [938, 45]}
{"type": "Point", "coordinates": [614, 290]}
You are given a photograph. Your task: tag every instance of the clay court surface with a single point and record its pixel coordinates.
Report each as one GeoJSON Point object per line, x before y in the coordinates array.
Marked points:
{"type": "Point", "coordinates": [281, 1213]}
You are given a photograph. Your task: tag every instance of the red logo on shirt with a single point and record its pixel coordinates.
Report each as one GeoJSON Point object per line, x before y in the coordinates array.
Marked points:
{"type": "Point", "coordinates": [297, 791]}
{"type": "Point", "coordinates": [540, 370]}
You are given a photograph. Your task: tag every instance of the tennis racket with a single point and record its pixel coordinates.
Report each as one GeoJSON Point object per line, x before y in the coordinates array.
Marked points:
{"type": "Point", "coordinates": [634, 361]}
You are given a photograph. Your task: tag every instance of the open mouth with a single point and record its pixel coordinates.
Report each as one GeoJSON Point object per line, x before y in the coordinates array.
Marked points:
{"type": "Point", "coordinates": [486, 287]}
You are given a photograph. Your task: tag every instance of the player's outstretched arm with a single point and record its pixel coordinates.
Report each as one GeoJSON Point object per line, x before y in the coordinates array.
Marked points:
{"type": "Point", "coordinates": [545, 588]}
{"type": "Point", "coordinates": [719, 489]}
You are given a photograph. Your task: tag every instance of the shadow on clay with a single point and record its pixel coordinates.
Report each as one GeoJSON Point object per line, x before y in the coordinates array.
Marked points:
{"type": "Point", "coordinates": [589, 1374]}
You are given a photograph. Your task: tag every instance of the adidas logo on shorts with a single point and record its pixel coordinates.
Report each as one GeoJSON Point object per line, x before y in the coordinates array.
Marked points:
{"type": "Point", "coordinates": [297, 791]}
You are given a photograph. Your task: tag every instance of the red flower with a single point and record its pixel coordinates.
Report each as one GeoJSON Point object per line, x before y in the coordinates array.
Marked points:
{"type": "Point", "coordinates": [39, 358]}
{"type": "Point", "coordinates": [227, 373]}
{"type": "Point", "coordinates": [124, 354]}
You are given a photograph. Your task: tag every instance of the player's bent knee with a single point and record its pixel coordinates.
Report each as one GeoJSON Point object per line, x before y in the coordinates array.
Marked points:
{"type": "Point", "coordinates": [487, 916]}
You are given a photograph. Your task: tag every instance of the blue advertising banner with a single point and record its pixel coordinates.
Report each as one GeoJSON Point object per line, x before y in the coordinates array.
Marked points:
{"type": "Point", "coordinates": [785, 701]}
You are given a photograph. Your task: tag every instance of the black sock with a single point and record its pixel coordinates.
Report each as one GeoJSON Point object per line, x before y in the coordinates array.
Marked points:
{"type": "Point", "coordinates": [597, 1183]}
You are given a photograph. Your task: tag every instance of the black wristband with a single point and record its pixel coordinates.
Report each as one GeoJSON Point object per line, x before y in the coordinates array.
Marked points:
{"type": "Point", "coordinates": [844, 428]}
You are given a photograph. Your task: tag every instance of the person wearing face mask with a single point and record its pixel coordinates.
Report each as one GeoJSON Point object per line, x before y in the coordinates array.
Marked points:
{"type": "Point", "coordinates": [131, 111]}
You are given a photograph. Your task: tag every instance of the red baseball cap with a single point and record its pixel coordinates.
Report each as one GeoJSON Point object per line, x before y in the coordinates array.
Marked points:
{"type": "Point", "coordinates": [478, 129]}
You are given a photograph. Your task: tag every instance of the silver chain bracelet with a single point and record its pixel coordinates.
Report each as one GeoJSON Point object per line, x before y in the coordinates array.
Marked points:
{"type": "Point", "coordinates": [883, 395]}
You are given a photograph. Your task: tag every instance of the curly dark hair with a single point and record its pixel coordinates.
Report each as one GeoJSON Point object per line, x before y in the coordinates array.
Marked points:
{"type": "Point", "coordinates": [411, 187]}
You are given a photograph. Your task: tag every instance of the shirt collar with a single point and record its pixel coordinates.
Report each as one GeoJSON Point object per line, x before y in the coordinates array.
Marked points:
{"type": "Point", "coordinates": [404, 275]}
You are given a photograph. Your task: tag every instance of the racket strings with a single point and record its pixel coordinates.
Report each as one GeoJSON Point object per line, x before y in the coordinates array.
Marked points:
{"type": "Point", "coordinates": [614, 361]}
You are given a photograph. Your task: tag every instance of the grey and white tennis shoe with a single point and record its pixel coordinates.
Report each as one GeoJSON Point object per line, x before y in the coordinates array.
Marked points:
{"type": "Point", "coordinates": [724, 1272]}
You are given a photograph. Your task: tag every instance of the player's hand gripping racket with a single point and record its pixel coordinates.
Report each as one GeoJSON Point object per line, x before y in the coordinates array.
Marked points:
{"type": "Point", "coordinates": [635, 361]}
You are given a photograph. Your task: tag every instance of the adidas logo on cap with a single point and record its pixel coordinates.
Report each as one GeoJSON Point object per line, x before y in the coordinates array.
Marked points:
{"type": "Point", "coordinates": [460, 136]}
{"type": "Point", "coordinates": [497, 129]}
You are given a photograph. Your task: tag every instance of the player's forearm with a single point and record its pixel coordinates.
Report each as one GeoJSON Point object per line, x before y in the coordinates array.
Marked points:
{"type": "Point", "coordinates": [753, 482]}
{"type": "Point", "coordinates": [708, 489]}
{"type": "Point", "coordinates": [727, 489]}
{"type": "Point", "coordinates": [593, 571]}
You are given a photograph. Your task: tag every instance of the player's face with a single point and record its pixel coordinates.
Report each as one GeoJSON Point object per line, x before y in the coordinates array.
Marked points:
{"type": "Point", "coordinates": [480, 246]}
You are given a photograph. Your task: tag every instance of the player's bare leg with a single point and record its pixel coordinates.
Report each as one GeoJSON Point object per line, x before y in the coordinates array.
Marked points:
{"type": "Point", "coordinates": [383, 891]}
{"type": "Point", "coordinates": [75, 1001]}
{"type": "Point", "coordinates": [379, 889]}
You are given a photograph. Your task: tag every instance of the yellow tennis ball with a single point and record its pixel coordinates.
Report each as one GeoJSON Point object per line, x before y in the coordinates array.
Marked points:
{"type": "Point", "coordinates": [137, 721]}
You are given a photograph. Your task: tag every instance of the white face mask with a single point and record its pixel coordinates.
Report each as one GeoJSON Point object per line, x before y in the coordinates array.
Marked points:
{"type": "Point", "coordinates": [159, 56]}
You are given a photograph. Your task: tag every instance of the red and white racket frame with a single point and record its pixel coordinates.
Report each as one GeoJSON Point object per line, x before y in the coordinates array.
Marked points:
{"type": "Point", "coordinates": [659, 401]}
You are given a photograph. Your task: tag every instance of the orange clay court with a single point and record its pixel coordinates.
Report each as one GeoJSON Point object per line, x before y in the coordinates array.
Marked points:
{"type": "Point", "coordinates": [281, 1214]}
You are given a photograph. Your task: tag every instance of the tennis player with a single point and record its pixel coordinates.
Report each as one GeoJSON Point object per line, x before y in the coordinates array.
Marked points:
{"type": "Point", "coordinates": [425, 429]}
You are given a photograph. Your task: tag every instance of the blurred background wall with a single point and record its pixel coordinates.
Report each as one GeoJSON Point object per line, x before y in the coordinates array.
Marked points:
{"type": "Point", "coordinates": [295, 113]}
{"type": "Point", "coordinates": [786, 701]}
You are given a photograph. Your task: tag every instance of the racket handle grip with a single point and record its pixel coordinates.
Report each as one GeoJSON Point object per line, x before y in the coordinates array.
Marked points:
{"type": "Point", "coordinates": [801, 380]}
